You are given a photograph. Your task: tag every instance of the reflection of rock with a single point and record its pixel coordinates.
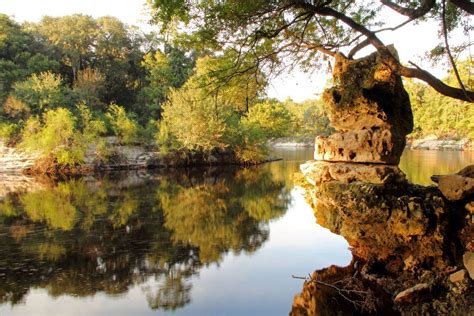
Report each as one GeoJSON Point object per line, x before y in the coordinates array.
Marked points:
{"type": "Point", "coordinates": [16, 183]}
{"type": "Point", "coordinates": [371, 111]}
{"type": "Point", "coordinates": [456, 186]}
{"type": "Point", "coordinates": [321, 297]}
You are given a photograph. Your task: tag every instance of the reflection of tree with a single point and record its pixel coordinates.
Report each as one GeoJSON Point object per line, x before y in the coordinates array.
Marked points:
{"type": "Point", "coordinates": [220, 215]}
{"type": "Point", "coordinates": [80, 237]}
{"type": "Point", "coordinates": [173, 291]}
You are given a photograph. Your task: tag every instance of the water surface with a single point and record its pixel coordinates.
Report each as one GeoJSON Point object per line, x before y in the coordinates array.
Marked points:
{"type": "Point", "coordinates": [190, 242]}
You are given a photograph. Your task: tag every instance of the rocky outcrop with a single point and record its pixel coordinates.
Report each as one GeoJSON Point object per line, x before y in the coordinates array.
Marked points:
{"type": "Point", "coordinates": [318, 172]}
{"type": "Point", "coordinates": [370, 110]}
{"type": "Point", "coordinates": [456, 186]}
{"type": "Point", "coordinates": [407, 242]}
{"type": "Point", "coordinates": [12, 160]}
{"type": "Point", "coordinates": [119, 157]}
{"type": "Point", "coordinates": [406, 239]}
{"type": "Point", "coordinates": [433, 143]}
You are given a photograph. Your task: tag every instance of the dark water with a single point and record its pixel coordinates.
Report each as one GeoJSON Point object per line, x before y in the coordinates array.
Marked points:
{"type": "Point", "coordinates": [201, 242]}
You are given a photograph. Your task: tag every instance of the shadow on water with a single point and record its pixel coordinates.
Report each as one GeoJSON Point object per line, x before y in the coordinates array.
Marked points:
{"type": "Point", "coordinates": [85, 236]}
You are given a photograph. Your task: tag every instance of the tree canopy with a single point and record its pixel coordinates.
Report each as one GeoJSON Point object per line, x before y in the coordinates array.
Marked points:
{"type": "Point", "coordinates": [284, 32]}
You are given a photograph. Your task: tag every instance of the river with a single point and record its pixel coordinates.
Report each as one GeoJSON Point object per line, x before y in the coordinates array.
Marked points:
{"type": "Point", "coordinates": [196, 242]}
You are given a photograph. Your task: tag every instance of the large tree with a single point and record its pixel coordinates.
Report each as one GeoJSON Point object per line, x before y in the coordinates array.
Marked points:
{"type": "Point", "coordinates": [278, 32]}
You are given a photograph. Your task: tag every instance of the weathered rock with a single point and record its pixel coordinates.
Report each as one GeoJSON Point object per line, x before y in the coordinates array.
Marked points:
{"type": "Point", "coordinates": [393, 219]}
{"type": "Point", "coordinates": [13, 160]}
{"type": "Point", "coordinates": [456, 186]}
{"type": "Point", "coordinates": [413, 294]}
{"type": "Point", "coordinates": [468, 260]}
{"type": "Point", "coordinates": [432, 143]}
{"type": "Point", "coordinates": [366, 146]}
{"type": "Point", "coordinates": [317, 172]}
{"type": "Point", "coordinates": [470, 207]}
{"type": "Point", "coordinates": [458, 276]}
{"type": "Point", "coordinates": [370, 110]}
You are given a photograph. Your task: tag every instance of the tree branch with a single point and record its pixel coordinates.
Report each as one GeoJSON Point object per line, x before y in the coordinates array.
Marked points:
{"type": "Point", "coordinates": [390, 60]}
{"type": "Point", "coordinates": [467, 6]}
{"type": "Point", "coordinates": [435, 83]}
{"type": "Point", "coordinates": [448, 51]}
{"type": "Point", "coordinates": [424, 8]}
{"type": "Point", "coordinates": [358, 47]}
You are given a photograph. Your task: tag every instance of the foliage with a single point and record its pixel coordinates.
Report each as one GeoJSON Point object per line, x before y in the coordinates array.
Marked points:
{"type": "Point", "coordinates": [104, 44]}
{"type": "Point", "coordinates": [21, 55]}
{"type": "Point", "coordinates": [8, 131]}
{"type": "Point", "coordinates": [204, 116]}
{"type": "Point", "coordinates": [123, 125]}
{"type": "Point", "coordinates": [55, 137]}
{"type": "Point", "coordinates": [89, 85]}
{"type": "Point", "coordinates": [59, 137]}
{"type": "Point", "coordinates": [438, 115]}
{"type": "Point", "coordinates": [16, 109]}
{"type": "Point", "coordinates": [279, 34]}
{"type": "Point", "coordinates": [165, 70]}
{"type": "Point", "coordinates": [40, 92]}
{"type": "Point", "coordinates": [272, 117]}
{"type": "Point", "coordinates": [309, 118]}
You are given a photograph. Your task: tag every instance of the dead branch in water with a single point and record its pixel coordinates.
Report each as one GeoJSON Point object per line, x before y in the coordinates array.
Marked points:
{"type": "Point", "coordinates": [349, 287]}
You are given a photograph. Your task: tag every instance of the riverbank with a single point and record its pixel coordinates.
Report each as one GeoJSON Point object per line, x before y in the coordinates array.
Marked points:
{"type": "Point", "coordinates": [120, 157]}
{"type": "Point", "coordinates": [427, 143]}
{"type": "Point", "coordinates": [433, 143]}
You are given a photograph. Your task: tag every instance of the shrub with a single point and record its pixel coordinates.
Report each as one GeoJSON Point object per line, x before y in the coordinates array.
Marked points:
{"type": "Point", "coordinates": [196, 122]}
{"type": "Point", "coordinates": [55, 138]}
{"type": "Point", "coordinates": [124, 126]}
{"type": "Point", "coordinates": [8, 132]}
{"type": "Point", "coordinates": [16, 109]}
{"type": "Point", "coordinates": [89, 86]}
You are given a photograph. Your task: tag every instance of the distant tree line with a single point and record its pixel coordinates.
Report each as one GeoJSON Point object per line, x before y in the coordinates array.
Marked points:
{"type": "Point", "coordinates": [435, 114]}
{"type": "Point", "coordinates": [67, 81]}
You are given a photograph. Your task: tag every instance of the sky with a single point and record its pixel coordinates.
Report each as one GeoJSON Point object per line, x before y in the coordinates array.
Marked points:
{"type": "Point", "coordinates": [411, 42]}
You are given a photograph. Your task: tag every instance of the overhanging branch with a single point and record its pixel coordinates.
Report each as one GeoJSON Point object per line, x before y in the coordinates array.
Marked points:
{"type": "Point", "coordinates": [390, 60]}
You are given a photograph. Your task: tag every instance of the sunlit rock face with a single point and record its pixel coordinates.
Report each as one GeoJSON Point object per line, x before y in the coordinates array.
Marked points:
{"type": "Point", "coordinates": [370, 110]}
{"type": "Point", "coordinates": [457, 186]}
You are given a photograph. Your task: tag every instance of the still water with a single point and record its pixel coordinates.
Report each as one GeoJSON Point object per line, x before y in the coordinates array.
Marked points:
{"type": "Point", "coordinates": [201, 242]}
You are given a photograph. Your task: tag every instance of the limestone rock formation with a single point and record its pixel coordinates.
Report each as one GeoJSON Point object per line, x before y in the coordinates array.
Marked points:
{"type": "Point", "coordinates": [406, 239]}
{"type": "Point", "coordinates": [456, 186]}
{"type": "Point", "coordinates": [412, 294]}
{"type": "Point", "coordinates": [401, 235]}
{"type": "Point", "coordinates": [370, 110]}
{"type": "Point", "coordinates": [317, 172]}
{"type": "Point", "coordinates": [468, 260]}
